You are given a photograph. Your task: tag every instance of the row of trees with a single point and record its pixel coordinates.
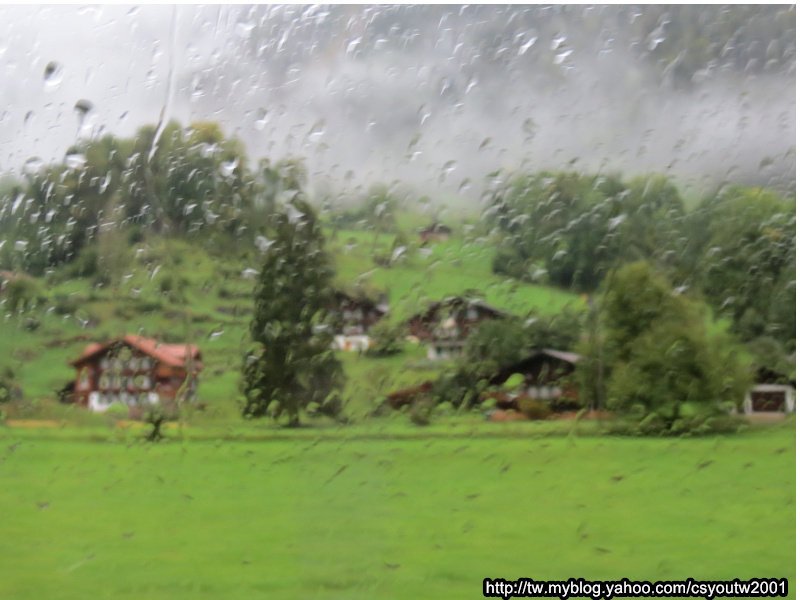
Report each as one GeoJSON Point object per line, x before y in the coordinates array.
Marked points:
{"type": "Point", "coordinates": [652, 355]}
{"type": "Point", "coordinates": [191, 181]}
{"type": "Point", "coordinates": [737, 247]}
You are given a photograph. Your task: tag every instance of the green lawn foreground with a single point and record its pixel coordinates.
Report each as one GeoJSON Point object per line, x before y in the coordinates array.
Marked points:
{"type": "Point", "coordinates": [397, 518]}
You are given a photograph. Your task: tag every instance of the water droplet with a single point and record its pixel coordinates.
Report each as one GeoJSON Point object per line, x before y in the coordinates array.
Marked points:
{"type": "Point", "coordinates": [616, 222]}
{"type": "Point", "coordinates": [263, 244]}
{"type": "Point", "coordinates": [53, 75]}
{"type": "Point", "coordinates": [561, 57]}
{"type": "Point", "coordinates": [243, 30]}
{"type": "Point", "coordinates": [75, 160]}
{"type": "Point", "coordinates": [228, 167]}
{"type": "Point", "coordinates": [526, 46]}
{"type": "Point", "coordinates": [352, 46]}
{"type": "Point", "coordinates": [33, 165]}
{"type": "Point", "coordinates": [83, 107]}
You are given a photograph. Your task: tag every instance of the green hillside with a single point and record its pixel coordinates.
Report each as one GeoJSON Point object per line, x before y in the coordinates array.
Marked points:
{"type": "Point", "coordinates": [181, 292]}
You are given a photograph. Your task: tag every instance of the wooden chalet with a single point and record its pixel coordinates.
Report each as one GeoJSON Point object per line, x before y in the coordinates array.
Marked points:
{"type": "Point", "coordinates": [435, 232]}
{"type": "Point", "coordinates": [445, 325]}
{"type": "Point", "coordinates": [546, 377]}
{"type": "Point", "coordinates": [134, 371]}
{"type": "Point", "coordinates": [355, 316]}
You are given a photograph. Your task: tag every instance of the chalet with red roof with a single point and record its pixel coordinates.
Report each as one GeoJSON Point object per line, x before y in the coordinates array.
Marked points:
{"type": "Point", "coordinates": [135, 371]}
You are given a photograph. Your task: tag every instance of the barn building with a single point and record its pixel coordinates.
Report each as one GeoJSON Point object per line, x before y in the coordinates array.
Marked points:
{"type": "Point", "coordinates": [135, 371]}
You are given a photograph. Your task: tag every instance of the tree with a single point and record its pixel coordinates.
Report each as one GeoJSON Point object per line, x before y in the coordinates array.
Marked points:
{"type": "Point", "coordinates": [575, 228]}
{"type": "Point", "coordinates": [669, 371]}
{"type": "Point", "coordinates": [745, 240]}
{"type": "Point", "coordinates": [292, 365]}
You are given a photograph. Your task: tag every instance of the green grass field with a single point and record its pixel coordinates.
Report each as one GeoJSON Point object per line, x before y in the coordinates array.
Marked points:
{"type": "Point", "coordinates": [413, 515]}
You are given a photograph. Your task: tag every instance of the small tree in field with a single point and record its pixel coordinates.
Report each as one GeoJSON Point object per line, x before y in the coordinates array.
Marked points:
{"type": "Point", "coordinates": [292, 364]}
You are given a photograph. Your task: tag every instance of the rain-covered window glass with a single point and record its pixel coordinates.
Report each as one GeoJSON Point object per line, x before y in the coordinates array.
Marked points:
{"type": "Point", "coordinates": [399, 301]}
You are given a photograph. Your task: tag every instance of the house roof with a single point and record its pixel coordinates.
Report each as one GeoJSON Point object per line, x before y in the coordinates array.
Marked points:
{"type": "Point", "coordinates": [452, 301]}
{"type": "Point", "coordinates": [364, 300]}
{"type": "Point", "coordinates": [529, 361]}
{"type": "Point", "coordinates": [570, 357]}
{"type": "Point", "coordinates": [174, 355]}
{"type": "Point", "coordinates": [435, 228]}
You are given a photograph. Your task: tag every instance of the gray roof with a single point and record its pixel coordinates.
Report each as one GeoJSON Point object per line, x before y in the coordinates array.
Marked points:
{"type": "Point", "coordinates": [569, 357]}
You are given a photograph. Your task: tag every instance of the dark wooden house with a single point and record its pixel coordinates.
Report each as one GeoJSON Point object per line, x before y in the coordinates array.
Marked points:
{"type": "Point", "coordinates": [354, 317]}
{"type": "Point", "coordinates": [446, 324]}
{"type": "Point", "coordinates": [547, 376]}
{"type": "Point", "coordinates": [134, 371]}
{"type": "Point", "coordinates": [435, 232]}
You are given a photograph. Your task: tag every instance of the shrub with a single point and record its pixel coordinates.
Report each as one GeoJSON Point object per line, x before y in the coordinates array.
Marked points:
{"type": "Point", "coordinates": [21, 293]}
{"type": "Point", "coordinates": [166, 284]}
{"type": "Point", "coordinates": [533, 409]}
{"type": "Point", "coordinates": [9, 388]}
{"type": "Point", "coordinates": [421, 412]}
{"type": "Point", "coordinates": [387, 339]}
{"type": "Point", "coordinates": [64, 305]}
{"type": "Point", "coordinates": [117, 412]}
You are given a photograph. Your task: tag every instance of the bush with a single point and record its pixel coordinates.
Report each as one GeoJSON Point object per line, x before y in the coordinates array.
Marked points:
{"type": "Point", "coordinates": [332, 407]}
{"type": "Point", "coordinates": [655, 424]}
{"type": "Point", "coordinates": [387, 339]}
{"type": "Point", "coordinates": [64, 305]}
{"type": "Point", "coordinates": [534, 409]}
{"type": "Point", "coordinates": [86, 264]}
{"type": "Point", "coordinates": [9, 388]}
{"type": "Point", "coordinates": [421, 412]}
{"type": "Point", "coordinates": [166, 284]}
{"type": "Point", "coordinates": [462, 388]}
{"type": "Point", "coordinates": [21, 293]}
{"type": "Point", "coordinates": [31, 324]}
{"type": "Point", "coordinates": [117, 412]}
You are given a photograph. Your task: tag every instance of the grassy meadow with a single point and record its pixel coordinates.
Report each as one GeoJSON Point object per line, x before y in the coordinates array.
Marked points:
{"type": "Point", "coordinates": [402, 515]}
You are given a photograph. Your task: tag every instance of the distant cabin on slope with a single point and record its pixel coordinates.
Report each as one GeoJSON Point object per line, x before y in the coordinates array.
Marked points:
{"type": "Point", "coordinates": [354, 317]}
{"type": "Point", "coordinates": [435, 232]}
{"type": "Point", "coordinates": [134, 371]}
{"type": "Point", "coordinates": [446, 324]}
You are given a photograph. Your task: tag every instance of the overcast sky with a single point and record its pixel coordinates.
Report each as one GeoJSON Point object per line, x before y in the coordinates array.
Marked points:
{"type": "Point", "coordinates": [436, 97]}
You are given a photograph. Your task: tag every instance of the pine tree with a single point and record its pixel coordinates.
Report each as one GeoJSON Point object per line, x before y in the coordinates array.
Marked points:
{"type": "Point", "coordinates": [292, 364]}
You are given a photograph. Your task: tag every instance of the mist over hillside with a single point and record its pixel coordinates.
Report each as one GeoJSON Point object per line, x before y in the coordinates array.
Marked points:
{"type": "Point", "coordinates": [436, 97]}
